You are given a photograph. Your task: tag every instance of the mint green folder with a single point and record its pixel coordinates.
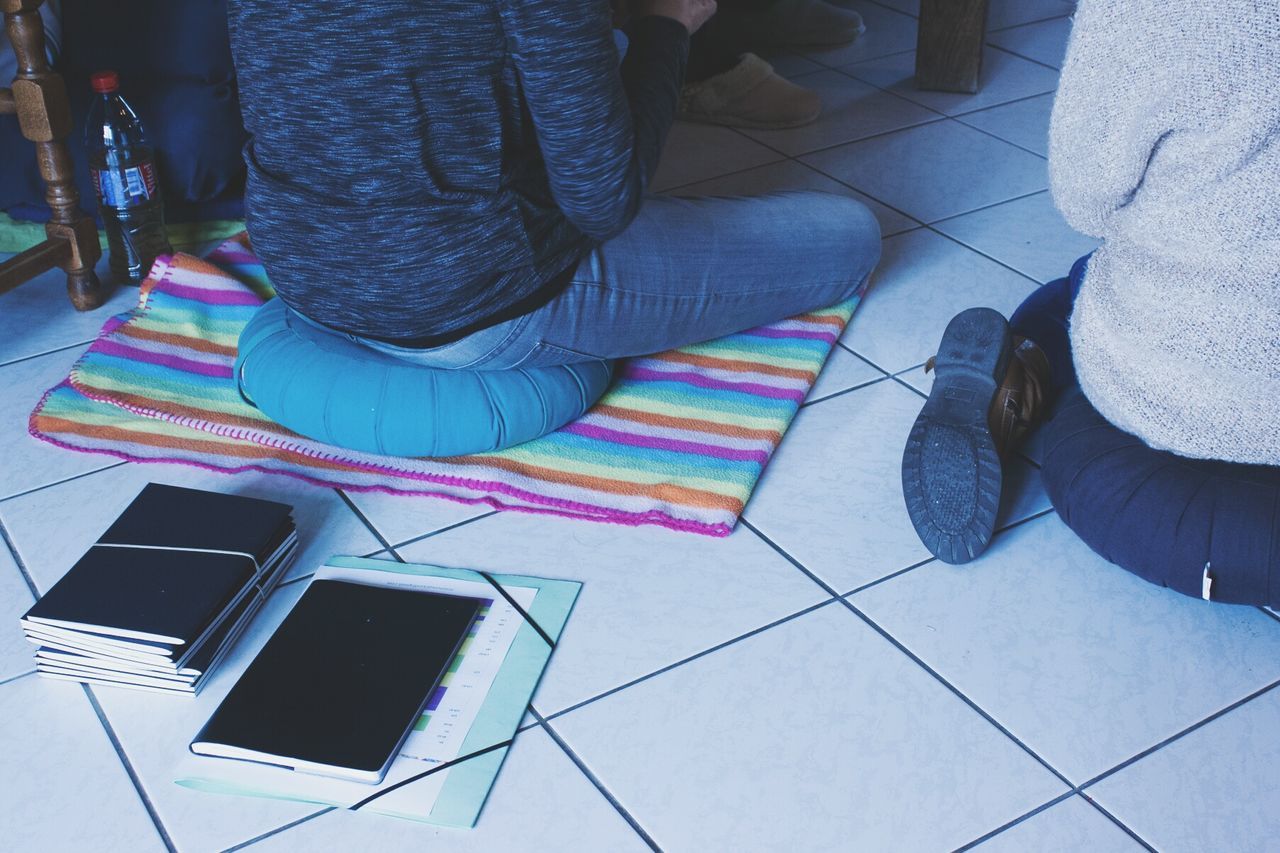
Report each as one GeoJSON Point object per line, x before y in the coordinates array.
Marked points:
{"type": "Point", "coordinates": [468, 782]}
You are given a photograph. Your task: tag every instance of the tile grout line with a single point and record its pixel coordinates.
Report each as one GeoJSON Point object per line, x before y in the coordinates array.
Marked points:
{"type": "Point", "coordinates": [595, 780]}
{"type": "Point", "coordinates": [97, 709]}
{"type": "Point", "coordinates": [18, 677]}
{"type": "Point", "coordinates": [691, 658]}
{"type": "Point", "coordinates": [913, 389]}
{"type": "Point", "coordinates": [1011, 52]}
{"type": "Point", "coordinates": [849, 350]}
{"type": "Point", "coordinates": [445, 529]}
{"type": "Point", "coordinates": [687, 184]}
{"type": "Point", "coordinates": [955, 691]}
{"type": "Point", "coordinates": [871, 623]}
{"type": "Point", "coordinates": [870, 362]}
{"type": "Point", "coordinates": [1221, 712]}
{"type": "Point", "coordinates": [827, 66]}
{"type": "Point", "coordinates": [847, 71]}
{"type": "Point", "coordinates": [931, 226]}
{"type": "Point", "coordinates": [892, 9]}
{"type": "Point", "coordinates": [138, 787]}
{"type": "Point", "coordinates": [996, 261]}
{"type": "Point", "coordinates": [1119, 823]}
{"type": "Point", "coordinates": [839, 70]}
{"type": "Point", "coordinates": [891, 575]}
{"type": "Point", "coordinates": [911, 368]}
{"type": "Point", "coordinates": [64, 481]}
{"type": "Point", "coordinates": [826, 587]}
{"type": "Point", "coordinates": [1063, 797]}
{"type": "Point", "coordinates": [1018, 100]}
{"type": "Point", "coordinates": [957, 117]}
{"type": "Point", "coordinates": [1075, 789]}
{"type": "Point", "coordinates": [280, 829]}
{"type": "Point", "coordinates": [959, 120]}
{"type": "Point", "coordinates": [899, 573]}
{"type": "Point", "coordinates": [1081, 789]}
{"type": "Point", "coordinates": [1020, 197]}
{"type": "Point", "coordinates": [377, 534]}
{"type": "Point", "coordinates": [842, 392]}
{"type": "Point", "coordinates": [17, 560]}
{"type": "Point", "coordinates": [1023, 197]}
{"type": "Point", "coordinates": [53, 351]}
{"type": "Point", "coordinates": [539, 722]}
{"type": "Point", "coordinates": [853, 352]}
{"type": "Point", "coordinates": [938, 117]}
{"type": "Point", "coordinates": [1044, 20]}
{"type": "Point", "coordinates": [785, 157]}
{"type": "Point", "coordinates": [1030, 518]}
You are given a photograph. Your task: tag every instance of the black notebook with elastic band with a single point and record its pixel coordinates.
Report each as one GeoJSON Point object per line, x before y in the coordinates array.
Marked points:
{"type": "Point", "coordinates": [158, 599]}
{"type": "Point", "coordinates": [169, 567]}
{"type": "Point", "coordinates": [337, 688]}
{"type": "Point", "coordinates": [164, 516]}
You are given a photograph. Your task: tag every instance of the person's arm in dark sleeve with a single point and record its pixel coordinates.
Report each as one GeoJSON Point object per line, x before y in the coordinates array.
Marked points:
{"type": "Point", "coordinates": [601, 127]}
{"type": "Point", "coordinates": [652, 75]}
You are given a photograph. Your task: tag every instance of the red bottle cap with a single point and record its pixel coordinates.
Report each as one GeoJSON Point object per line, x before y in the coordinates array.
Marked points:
{"type": "Point", "coordinates": [104, 82]}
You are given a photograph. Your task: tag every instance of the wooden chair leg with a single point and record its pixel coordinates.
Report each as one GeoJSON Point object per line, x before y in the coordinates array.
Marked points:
{"type": "Point", "coordinates": [949, 44]}
{"type": "Point", "coordinates": [39, 97]}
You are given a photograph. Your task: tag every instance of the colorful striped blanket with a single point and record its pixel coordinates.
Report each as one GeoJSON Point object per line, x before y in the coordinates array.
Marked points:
{"type": "Point", "coordinates": [679, 440]}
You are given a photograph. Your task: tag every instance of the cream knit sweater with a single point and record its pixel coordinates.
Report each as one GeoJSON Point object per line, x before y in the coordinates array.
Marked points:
{"type": "Point", "coordinates": [1165, 143]}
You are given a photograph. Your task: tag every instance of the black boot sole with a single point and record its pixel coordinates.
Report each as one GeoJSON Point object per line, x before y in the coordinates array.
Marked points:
{"type": "Point", "coordinates": [951, 472]}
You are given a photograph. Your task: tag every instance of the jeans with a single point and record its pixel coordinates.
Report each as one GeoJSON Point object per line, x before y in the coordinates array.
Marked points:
{"type": "Point", "coordinates": [1203, 527]}
{"type": "Point", "coordinates": [686, 270]}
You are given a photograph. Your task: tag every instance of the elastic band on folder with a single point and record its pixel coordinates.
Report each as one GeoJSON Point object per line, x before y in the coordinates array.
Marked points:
{"type": "Point", "coordinates": [256, 565]}
{"type": "Point", "coordinates": [525, 616]}
{"type": "Point", "coordinates": [442, 766]}
{"type": "Point", "coordinates": [479, 752]}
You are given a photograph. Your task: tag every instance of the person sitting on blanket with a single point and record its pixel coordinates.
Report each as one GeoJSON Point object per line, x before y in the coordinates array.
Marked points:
{"type": "Point", "coordinates": [463, 185]}
{"type": "Point", "coordinates": [1163, 449]}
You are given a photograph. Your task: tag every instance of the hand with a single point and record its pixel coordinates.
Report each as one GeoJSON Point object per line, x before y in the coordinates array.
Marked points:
{"type": "Point", "coordinates": [692, 13]}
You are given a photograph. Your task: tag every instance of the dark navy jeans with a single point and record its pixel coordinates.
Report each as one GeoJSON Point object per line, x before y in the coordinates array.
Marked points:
{"type": "Point", "coordinates": [1201, 527]}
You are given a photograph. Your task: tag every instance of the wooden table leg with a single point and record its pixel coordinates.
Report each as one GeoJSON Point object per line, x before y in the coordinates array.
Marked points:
{"type": "Point", "coordinates": [39, 97]}
{"type": "Point", "coordinates": [949, 44]}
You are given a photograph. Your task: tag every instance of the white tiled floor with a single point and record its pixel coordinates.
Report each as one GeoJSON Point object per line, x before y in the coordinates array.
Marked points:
{"type": "Point", "coordinates": [812, 682]}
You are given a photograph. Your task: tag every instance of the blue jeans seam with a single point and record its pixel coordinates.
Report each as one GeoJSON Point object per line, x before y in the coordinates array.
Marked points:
{"type": "Point", "coordinates": [704, 296]}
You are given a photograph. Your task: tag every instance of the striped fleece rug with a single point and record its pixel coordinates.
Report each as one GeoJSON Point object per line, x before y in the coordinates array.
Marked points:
{"type": "Point", "coordinates": [680, 440]}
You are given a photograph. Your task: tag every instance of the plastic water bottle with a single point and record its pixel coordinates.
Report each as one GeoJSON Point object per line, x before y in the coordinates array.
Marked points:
{"type": "Point", "coordinates": [123, 168]}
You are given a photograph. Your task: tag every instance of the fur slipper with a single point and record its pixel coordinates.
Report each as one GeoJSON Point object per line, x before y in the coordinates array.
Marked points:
{"type": "Point", "coordinates": [751, 94]}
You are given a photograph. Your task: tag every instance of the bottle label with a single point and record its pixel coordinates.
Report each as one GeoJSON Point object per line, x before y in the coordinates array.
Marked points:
{"type": "Point", "coordinates": [125, 187]}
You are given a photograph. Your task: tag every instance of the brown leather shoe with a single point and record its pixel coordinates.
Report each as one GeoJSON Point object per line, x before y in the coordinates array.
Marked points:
{"type": "Point", "coordinates": [988, 391]}
{"type": "Point", "coordinates": [1019, 402]}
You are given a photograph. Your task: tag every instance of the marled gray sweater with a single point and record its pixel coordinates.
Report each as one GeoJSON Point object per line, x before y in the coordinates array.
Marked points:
{"type": "Point", "coordinates": [1165, 143]}
{"type": "Point", "coordinates": [420, 170]}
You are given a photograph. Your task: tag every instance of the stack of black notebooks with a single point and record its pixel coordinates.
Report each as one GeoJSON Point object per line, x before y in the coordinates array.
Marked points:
{"type": "Point", "coordinates": [161, 597]}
